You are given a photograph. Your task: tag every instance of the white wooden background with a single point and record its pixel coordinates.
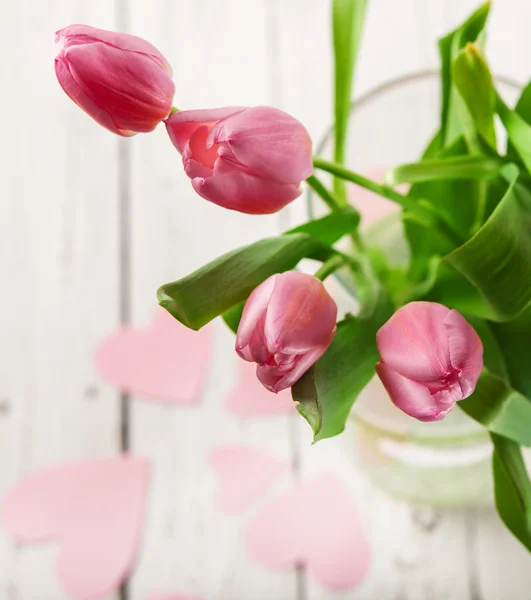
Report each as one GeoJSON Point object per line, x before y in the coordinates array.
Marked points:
{"type": "Point", "coordinates": [90, 225]}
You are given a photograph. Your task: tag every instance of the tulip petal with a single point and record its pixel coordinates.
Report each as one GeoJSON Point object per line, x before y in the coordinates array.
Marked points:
{"type": "Point", "coordinates": [269, 141]}
{"type": "Point", "coordinates": [254, 310]}
{"type": "Point", "coordinates": [301, 314]}
{"type": "Point", "coordinates": [466, 351]}
{"type": "Point", "coordinates": [269, 378]}
{"type": "Point", "coordinates": [76, 93]}
{"type": "Point", "coordinates": [181, 125]}
{"type": "Point", "coordinates": [257, 347]}
{"type": "Point", "coordinates": [412, 397]}
{"type": "Point", "coordinates": [122, 41]}
{"type": "Point", "coordinates": [414, 342]}
{"type": "Point", "coordinates": [138, 90]}
{"type": "Point", "coordinates": [236, 189]}
{"type": "Point", "coordinates": [301, 366]}
{"type": "Point", "coordinates": [198, 150]}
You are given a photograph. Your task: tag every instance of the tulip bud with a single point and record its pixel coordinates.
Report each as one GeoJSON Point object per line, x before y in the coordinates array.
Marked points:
{"type": "Point", "coordinates": [123, 82]}
{"type": "Point", "coordinates": [247, 159]}
{"type": "Point", "coordinates": [287, 324]}
{"type": "Point", "coordinates": [430, 357]}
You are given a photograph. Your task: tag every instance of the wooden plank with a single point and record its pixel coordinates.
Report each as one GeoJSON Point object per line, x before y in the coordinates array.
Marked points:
{"type": "Point", "coordinates": [59, 267]}
{"type": "Point", "coordinates": [219, 52]}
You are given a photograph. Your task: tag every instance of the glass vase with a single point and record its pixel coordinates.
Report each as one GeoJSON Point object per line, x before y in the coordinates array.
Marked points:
{"type": "Point", "coordinates": [443, 464]}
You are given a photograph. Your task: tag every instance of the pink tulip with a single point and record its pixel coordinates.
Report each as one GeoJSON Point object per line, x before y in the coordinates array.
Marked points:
{"type": "Point", "coordinates": [246, 159]}
{"type": "Point", "coordinates": [123, 82]}
{"type": "Point", "coordinates": [288, 322]}
{"type": "Point", "coordinates": [430, 357]}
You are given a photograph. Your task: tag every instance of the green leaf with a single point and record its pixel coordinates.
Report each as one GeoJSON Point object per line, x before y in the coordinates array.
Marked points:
{"type": "Point", "coordinates": [328, 390]}
{"type": "Point", "coordinates": [233, 316]}
{"type": "Point", "coordinates": [512, 489]}
{"type": "Point", "coordinates": [492, 353]}
{"type": "Point", "coordinates": [459, 167]}
{"type": "Point", "coordinates": [455, 291]}
{"type": "Point", "coordinates": [327, 230]}
{"type": "Point", "coordinates": [497, 259]}
{"type": "Point", "coordinates": [523, 106]}
{"type": "Point", "coordinates": [332, 227]}
{"type": "Point", "coordinates": [451, 197]}
{"type": "Point", "coordinates": [518, 130]}
{"type": "Point", "coordinates": [449, 48]}
{"type": "Point", "coordinates": [213, 289]}
{"type": "Point", "coordinates": [347, 25]}
{"type": "Point", "coordinates": [473, 80]}
{"type": "Point", "coordinates": [514, 340]}
{"type": "Point", "coordinates": [500, 408]}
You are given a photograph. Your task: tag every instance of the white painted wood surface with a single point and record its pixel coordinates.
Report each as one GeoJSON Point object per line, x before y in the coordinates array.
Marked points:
{"type": "Point", "coordinates": [90, 226]}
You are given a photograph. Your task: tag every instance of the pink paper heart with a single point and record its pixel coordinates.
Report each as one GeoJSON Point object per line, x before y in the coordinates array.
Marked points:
{"type": "Point", "coordinates": [250, 398]}
{"type": "Point", "coordinates": [94, 509]}
{"type": "Point", "coordinates": [166, 362]}
{"type": "Point", "coordinates": [315, 524]}
{"type": "Point", "coordinates": [244, 473]}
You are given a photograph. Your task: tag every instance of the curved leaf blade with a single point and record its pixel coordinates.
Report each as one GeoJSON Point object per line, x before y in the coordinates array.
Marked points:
{"type": "Point", "coordinates": [497, 259]}
{"type": "Point", "coordinates": [347, 25]}
{"type": "Point", "coordinates": [213, 289]}
{"type": "Point", "coordinates": [330, 228]}
{"type": "Point", "coordinates": [459, 167]}
{"type": "Point", "coordinates": [500, 408]}
{"type": "Point", "coordinates": [518, 130]}
{"type": "Point", "coordinates": [512, 489]}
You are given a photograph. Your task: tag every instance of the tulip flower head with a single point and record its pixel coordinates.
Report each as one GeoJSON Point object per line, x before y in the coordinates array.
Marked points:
{"type": "Point", "coordinates": [247, 159]}
{"type": "Point", "coordinates": [430, 358]}
{"type": "Point", "coordinates": [123, 82]}
{"type": "Point", "coordinates": [287, 324]}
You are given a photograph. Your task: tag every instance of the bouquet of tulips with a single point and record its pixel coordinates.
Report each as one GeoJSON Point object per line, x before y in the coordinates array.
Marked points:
{"type": "Point", "coordinates": [450, 325]}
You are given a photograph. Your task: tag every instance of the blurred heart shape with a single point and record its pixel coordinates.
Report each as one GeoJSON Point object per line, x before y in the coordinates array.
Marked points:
{"type": "Point", "coordinates": [244, 474]}
{"type": "Point", "coordinates": [249, 398]}
{"type": "Point", "coordinates": [315, 524]}
{"type": "Point", "coordinates": [93, 509]}
{"type": "Point", "coordinates": [166, 361]}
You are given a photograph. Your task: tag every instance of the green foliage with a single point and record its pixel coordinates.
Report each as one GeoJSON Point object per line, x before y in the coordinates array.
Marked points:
{"type": "Point", "coordinates": [474, 83]}
{"type": "Point", "coordinates": [500, 409]}
{"type": "Point", "coordinates": [328, 390]}
{"type": "Point", "coordinates": [459, 167]}
{"type": "Point", "coordinates": [215, 288]}
{"type": "Point", "coordinates": [497, 260]}
{"type": "Point", "coordinates": [347, 25]}
{"type": "Point", "coordinates": [512, 489]}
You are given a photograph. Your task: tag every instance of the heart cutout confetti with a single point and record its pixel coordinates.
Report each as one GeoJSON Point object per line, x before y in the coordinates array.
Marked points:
{"type": "Point", "coordinates": [166, 362]}
{"type": "Point", "coordinates": [249, 397]}
{"type": "Point", "coordinates": [244, 473]}
{"type": "Point", "coordinates": [314, 524]}
{"type": "Point", "coordinates": [93, 509]}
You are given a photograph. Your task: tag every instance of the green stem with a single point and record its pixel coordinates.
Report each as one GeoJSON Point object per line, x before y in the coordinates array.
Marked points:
{"type": "Point", "coordinates": [174, 109]}
{"type": "Point", "coordinates": [331, 265]}
{"type": "Point", "coordinates": [423, 210]}
{"type": "Point", "coordinates": [363, 182]}
{"type": "Point", "coordinates": [319, 188]}
{"type": "Point", "coordinates": [333, 203]}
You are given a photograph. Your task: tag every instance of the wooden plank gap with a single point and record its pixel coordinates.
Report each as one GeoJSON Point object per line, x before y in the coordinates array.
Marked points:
{"type": "Point", "coordinates": [124, 191]}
